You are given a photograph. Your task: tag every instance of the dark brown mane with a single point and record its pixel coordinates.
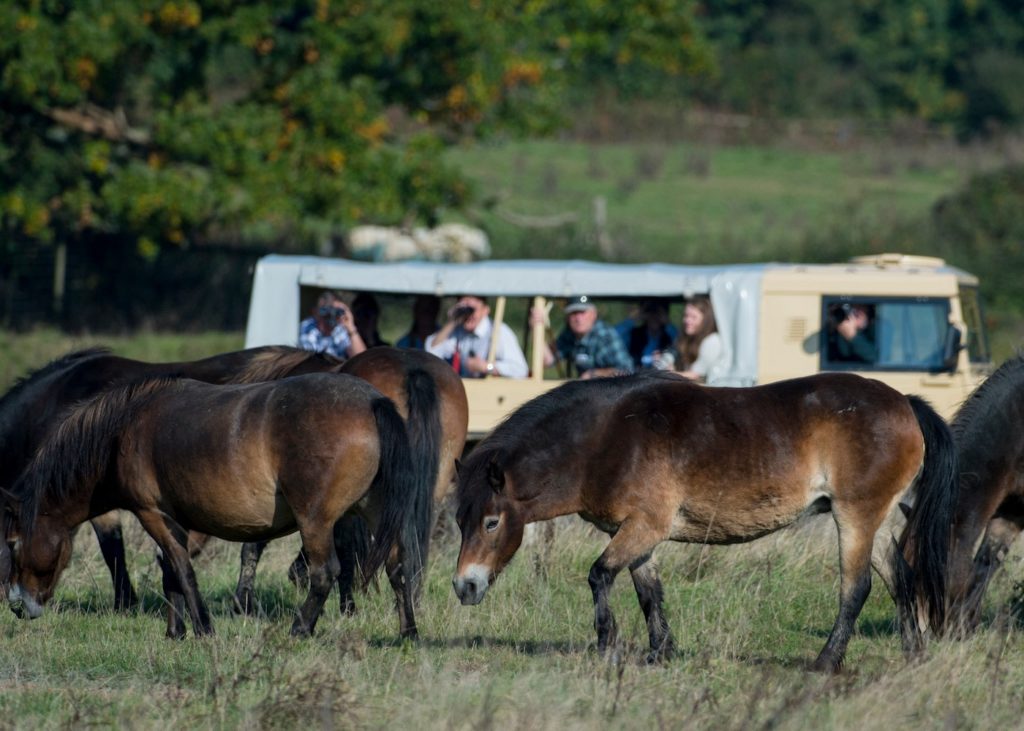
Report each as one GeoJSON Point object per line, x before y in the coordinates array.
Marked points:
{"type": "Point", "coordinates": [53, 366]}
{"type": "Point", "coordinates": [277, 362]}
{"type": "Point", "coordinates": [985, 402]}
{"type": "Point", "coordinates": [80, 449]}
{"type": "Point", "coordinates": [553, 419]}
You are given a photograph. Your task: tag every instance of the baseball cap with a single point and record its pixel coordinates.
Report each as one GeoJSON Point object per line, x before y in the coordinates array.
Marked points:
{"type": "Point", "coordinates": [579, 304]}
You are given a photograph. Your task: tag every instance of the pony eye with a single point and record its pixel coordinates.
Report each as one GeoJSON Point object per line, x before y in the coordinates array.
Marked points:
{"type": "Point", "coordinates": [491, 523]}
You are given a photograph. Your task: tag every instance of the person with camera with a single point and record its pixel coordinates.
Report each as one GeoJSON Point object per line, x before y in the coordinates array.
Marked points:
{"type": "Point", "coordinates": [465, 340]}
{"type": "Point", "coordinates": [331, 329]}
{"type": "Point", "coordinates": [852, 340]}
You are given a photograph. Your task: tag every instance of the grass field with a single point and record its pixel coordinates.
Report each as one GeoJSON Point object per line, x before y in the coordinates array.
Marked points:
{"type": "Point", "coordinates": [747, 621]}
{"type": "Point", "coordinates": [691, 203]}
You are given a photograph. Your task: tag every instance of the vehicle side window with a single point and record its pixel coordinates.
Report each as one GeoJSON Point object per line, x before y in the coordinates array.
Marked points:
{"type": "Point", "coordinates": [905, 334]}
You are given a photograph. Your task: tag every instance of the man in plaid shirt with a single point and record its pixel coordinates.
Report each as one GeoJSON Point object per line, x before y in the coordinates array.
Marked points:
{"type": "Point", "coordinates": [589, 346]}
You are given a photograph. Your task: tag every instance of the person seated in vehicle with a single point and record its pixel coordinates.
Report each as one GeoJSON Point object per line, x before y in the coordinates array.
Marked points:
{"type": "Point", "coordinates": [651, 339]}
{"type": "Point", "coordinates": [367, 312]}
{"type": "Point", "coordinates": [851, 338]}
{"type": "Point", "coordinates": [465, 340]}
{"type": "Point", "coordinates": [699, 348]}
{"type": "Point", "coordinates": [588, 346]}
{"type": "Point", "coordinates": [425, 310]}
{"type": "Point", "coordinates": [331, 328]}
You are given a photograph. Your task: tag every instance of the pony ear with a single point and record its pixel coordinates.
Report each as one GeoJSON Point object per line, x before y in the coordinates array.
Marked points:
{"type": "Point", "coordinates": [10, 504]}
{"type": "Point", "coordinates": [495, 476]}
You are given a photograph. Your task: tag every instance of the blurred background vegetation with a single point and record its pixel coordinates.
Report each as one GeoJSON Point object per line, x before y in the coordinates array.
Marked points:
{"type": "Point", "coordinates": [152, 150]}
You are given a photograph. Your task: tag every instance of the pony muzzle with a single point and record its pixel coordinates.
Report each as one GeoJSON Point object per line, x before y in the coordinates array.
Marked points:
{"type": "Point", "coordinates": [471, 585]}
{"type": "Point", "coordinates": [22, 604]}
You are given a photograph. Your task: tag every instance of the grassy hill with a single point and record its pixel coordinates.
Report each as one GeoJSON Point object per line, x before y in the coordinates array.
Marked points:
{"type": "Point", "coordinates": [692, 203]}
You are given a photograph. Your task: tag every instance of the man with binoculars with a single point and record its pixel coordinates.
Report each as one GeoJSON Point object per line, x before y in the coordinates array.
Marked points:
{"type": "Point", "coordinates": [464, 341]}
{"type": "Point", "coordinates": [331, 329]}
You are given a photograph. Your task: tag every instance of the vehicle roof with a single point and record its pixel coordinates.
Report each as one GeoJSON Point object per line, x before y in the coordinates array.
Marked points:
{"type": "Point", "coordinates": [558, 278]}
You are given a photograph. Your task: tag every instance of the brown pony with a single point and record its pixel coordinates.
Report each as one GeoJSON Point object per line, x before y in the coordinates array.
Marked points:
{"type": "Point", "coordinates": [990, 448]}
{"type": "Point", "coordinates": [431, 398]}
{"type": "Point", "coordinates": [242, 463]}
{"type": "Point", "coordinates": [651, 458]}
{"type": "Point", "coordinates": [33, 407]}
{"type": "Point", "coordinates": [37, 402]}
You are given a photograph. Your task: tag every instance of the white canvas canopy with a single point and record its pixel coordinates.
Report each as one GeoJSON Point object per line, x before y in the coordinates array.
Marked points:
{"type": "Point", "coordinates": [274, 311]}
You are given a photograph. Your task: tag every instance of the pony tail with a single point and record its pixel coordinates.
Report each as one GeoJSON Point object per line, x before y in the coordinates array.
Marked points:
{"type": "Point", "coordinates": [424, 425]}
{"type": "Point", "coordinates": [394, 482]}
{"type": "Point", "coordinates": [922, 555]}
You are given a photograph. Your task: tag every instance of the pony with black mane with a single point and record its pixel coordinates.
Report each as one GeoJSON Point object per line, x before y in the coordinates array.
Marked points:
{"type": "Point", "coordinates": [990, 447]}
{"type": "Point", "coordinates": [428, 393]}
{"type": "Point", "coordinates": [431, 398]}
{"type": "Point", "coordinates": [245, 462]}
{"type": "Point", "coordinates": [650, 458]}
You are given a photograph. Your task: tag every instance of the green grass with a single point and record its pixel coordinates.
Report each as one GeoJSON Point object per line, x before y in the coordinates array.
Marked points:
{"type": "Point", "coordinates": [746, 619]}
{"type": "Point", "coordinates": [701, 203]}
{"type": "Point", "coordinates": [21, 353]}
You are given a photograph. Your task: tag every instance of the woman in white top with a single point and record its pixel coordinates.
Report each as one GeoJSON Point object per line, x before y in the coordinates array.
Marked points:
{"type": "Point", "coordinates": [699, 346]}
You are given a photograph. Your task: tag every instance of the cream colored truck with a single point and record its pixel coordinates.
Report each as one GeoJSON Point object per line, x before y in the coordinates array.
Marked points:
{"type": "Point", "coordinates": [776, 320]}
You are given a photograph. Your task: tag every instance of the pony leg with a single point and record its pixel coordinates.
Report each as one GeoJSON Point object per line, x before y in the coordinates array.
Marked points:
{"type": "Point", "coordinates": [111, 540]}
{"type": "Point", "coordinates": [347, 546]}
{"type": "Point", "coordinates": [174, 597]}
{"type": "Point", "coordinates": [323, 570]}
{"type": "Point", "coordinates": [999, 537]}
{"type": "Point", "coordinates": [298, 572]}
{"type": "Point", "coordinates": [631, 545]}
{"type": "Point", "coordinates": [403, 596]}
{"type": "Point", "coordinates": [173, 542]}
{"type": "Point", "coordinates": [649, 592]}
{"type": "Point", "coordinates": [855, 546]}
{"type": "Point", "coordinates": [245, 598]}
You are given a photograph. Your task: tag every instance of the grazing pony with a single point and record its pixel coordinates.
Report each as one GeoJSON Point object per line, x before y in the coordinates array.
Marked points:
{"type": "Point", "coordinates": [650, 458]}
{"type": "Point", "coordinates": [430, 391]}
{"type": "Point", "coordinates": [431, 398]}
{"type": "Point", "coordinates": [245, 462]}
{"type": "Point", "coordinates": [990, 446]}
{"type": "Point", "coordinates": [37, 402]}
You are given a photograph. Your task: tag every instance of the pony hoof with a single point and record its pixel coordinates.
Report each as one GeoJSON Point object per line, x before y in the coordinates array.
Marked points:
{"type": "Point", "coordinates": [125, 605]}
{"type": "Point", "coordinates": [659, 657]}
{"type": "Point", "coordinates": [412, 634]}
{"type": "Point", "coordinates": [827, 666]}
{"type": "Point", "coordinates": [244, 604]}
{"type": "Point", "coordinates": [301, 631]}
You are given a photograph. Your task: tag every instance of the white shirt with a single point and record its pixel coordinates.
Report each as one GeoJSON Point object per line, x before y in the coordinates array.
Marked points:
{"type": "Point", "coordinates": [709, 353]}
{"type": "Point", "coordinates": [509, 360]}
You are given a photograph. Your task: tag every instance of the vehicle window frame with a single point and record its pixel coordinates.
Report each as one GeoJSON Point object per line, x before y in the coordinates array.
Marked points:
{"type": "Point", "coordinates": [827, 301]}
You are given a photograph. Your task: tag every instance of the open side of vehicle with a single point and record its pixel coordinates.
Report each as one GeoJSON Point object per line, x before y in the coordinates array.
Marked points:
{"type": "Point", "coordinates": [776, 320]}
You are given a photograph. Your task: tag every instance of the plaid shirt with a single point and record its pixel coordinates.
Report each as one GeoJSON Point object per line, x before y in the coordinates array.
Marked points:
{"type": "Point", "coordinates": [310, 338]}
{"type": "Point", "coordinates": [600, 348]}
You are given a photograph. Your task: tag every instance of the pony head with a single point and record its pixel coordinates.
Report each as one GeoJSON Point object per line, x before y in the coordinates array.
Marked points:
{"type": "Point", "coordinates": [491, 523]}
{"type": "Point", "coordinates": [31, 562]}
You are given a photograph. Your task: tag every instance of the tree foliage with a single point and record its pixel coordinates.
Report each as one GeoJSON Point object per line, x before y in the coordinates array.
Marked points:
{"type": "Point", "coordinates": [947, 61]}
{"type": "Point", "coordinates": [178, 121]}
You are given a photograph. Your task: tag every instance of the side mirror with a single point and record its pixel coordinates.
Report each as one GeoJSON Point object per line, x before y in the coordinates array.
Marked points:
{"type": "Point", "coordinates": [951, 348]}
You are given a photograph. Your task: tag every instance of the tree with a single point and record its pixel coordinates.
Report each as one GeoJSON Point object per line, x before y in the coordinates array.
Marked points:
{"type": "Point", "coordinates": [172, 122]}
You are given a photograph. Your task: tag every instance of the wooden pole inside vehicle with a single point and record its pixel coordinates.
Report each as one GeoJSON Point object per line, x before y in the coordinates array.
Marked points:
{"type": "Point", "coordinates": [537, 339]}
{"type": "Point", "coordinates": [499, 317]}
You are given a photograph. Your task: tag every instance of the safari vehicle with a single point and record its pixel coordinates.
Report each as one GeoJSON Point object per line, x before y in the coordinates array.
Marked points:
{"type": "Point", "coordinates": [776, 320]}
